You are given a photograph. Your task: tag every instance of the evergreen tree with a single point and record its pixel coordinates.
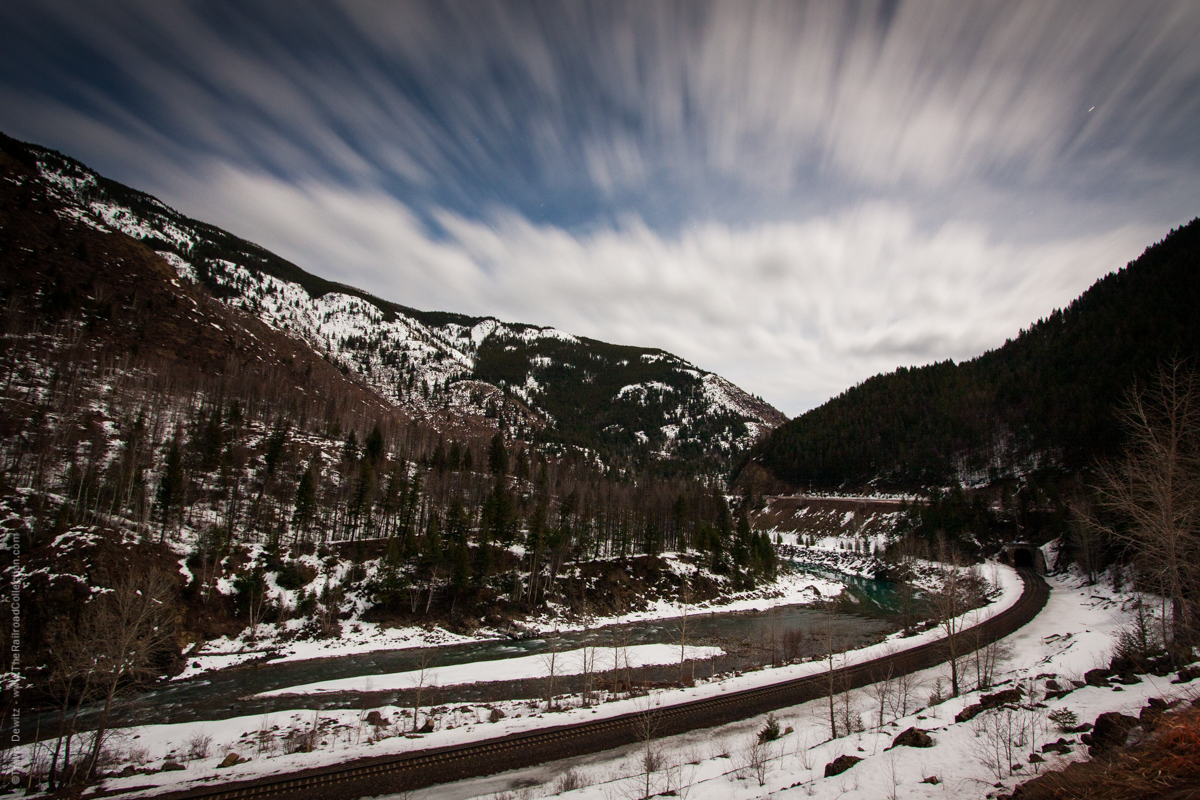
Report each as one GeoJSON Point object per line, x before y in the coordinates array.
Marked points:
{"type": "Point", "coordinates": [373, 446]}
{"type": "Point", "coordinates": [350, 448]}
{"type": "Point", "coordinates": [275, 444]}
{"type": "Point", "coordinates": [459, 553]}
{"type": "Point", "coordinates": [170, 488]}
{"type": "Point", "coordinates": [433, 541]}
{"type": "Point", "coordinates": [306, 500]}
{"type": "Point", "coordinates": [498, 456]}
{"type": "Point", "coordinates": [743, 542]}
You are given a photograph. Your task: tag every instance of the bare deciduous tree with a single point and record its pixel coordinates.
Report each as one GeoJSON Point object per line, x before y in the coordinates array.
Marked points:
{"type": "Point", "coordinates": [1152, 494]}
{"type": "Point", "coordinates": [684, 599]}
{"type": "Point", "coordinates": [650, 760]}
{"type": "Point", "coordinates": [881, 689]}
{"type": "Point", "coordinates": [424, 679]}
{"type": "Point", "coordinates": [756, 759]}
{"type": "Point", "coordinates": [550, 661]}
{"type": "Point", "coordinates": [906, 685]}
{"type": "Point", "coordinates": [129, 628]}
{"type": "Point", "coordinates": [954, 598]}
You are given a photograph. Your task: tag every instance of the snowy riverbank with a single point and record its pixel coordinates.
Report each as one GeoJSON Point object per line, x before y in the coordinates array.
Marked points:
{"type": "Point", "coordinates": [281, 642]}
{"type": "Point", "coordinates": [1076, 632]}
{"type": "Point", "coordinates": [339, 735]}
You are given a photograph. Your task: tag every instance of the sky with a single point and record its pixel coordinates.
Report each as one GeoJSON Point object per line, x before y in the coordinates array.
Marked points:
{"type": "Point", "coordinates": [794, 195]}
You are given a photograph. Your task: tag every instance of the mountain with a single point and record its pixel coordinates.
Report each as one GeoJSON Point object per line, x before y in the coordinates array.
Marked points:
{"type": "Point", "coordinates": [276, 456]}
{"type": "Point", "coordinates": [635, 407]}
{"type": "Point", "coordinates": [1045, 400]}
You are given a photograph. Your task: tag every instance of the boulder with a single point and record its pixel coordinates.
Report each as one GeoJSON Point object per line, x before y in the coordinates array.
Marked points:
{"type": "Point", "coordinates": [994, 700]}
{"type": "Point", "coordinates": [1136, 735]}
{"type": "Point", "coordinates": [427, 727]}
{"type": "Point", "coordinates": [1152, 713]}
{"type": "Point", "coordinates": [171, 766]}
{"type": "Point", "coordinates": [969, 713]}
{"type": "Point", "coordinates": [840, 765]}
{"type": "Point", "coordinates": [932, 779]}
{"type": "Point", "coordinates": [1053, 784]}
{"type": "Point", "coordinates": [913, 737]}
{"type": "Point", "coordinates": [231, 760]}
{"type": "Point", "coordinates": [1097, 677]}
{"type": "Point", "coordinates": [1111, 730]}
{"type": "Point", "coordinates": [375, 718]}
{"type": "Point", "coordinates": [1002, 698]}
{"type": "Point", "coordinates": [1188, 674]}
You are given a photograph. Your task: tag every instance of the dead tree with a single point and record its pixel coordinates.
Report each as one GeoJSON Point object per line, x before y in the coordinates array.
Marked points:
{"type": "Point", "coordinates": [550, 661]}
{"type": "Point", "coordinates": [950, 603]}
{"type": "Point", "coordinates": [130, 627]}
{"type": "Point", "coordinates": [424, 679]}
{"type": "Point", "coordinates": [1152, 494]}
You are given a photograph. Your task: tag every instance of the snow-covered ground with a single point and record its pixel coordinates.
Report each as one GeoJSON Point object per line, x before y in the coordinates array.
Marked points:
{"type": "Point", "coordinates": [566, 662]}
{"type": "Point", "coordinates": [1074, 633]}
{"type": "Point", "coordinates": [342, 734]}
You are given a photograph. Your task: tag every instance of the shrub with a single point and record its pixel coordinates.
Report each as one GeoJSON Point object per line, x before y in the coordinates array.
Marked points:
{"type": "Point", "coordinates": [569, 781]}
{"type": "Point", "coordinates": [1064, 718]}
{"type": "Point", "coordinates": [295, 575]}
{"type": "Point", "coordinates": [771, 732]}
{"type": "Point", "coordinates": [198, 746]}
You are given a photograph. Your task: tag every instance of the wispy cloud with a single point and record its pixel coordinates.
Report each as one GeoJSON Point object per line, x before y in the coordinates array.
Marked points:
{"type": "Point", "coordinates": [471, 103]}
{"type": "Point", "coordinates": [793, 311]}
{"type": "Point", "coordinates": [795, 194]}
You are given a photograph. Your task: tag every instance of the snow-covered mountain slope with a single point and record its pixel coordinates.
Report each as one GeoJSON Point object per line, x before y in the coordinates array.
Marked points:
{"type": "Point", "coordinates": [629, 404]}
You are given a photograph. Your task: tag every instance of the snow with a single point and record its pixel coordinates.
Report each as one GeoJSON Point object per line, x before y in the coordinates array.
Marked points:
{"type": "Point", "coordinates": [356, 638]}
{"type": "Point", "coordinates": [567, 662]}
{"type": "Point", "coordinates": [482, 330]}
{"type": "Point", "coordinates": [1075, 632]}
{"type": "Point", "coordinates": [533, 334]}
{"type": "Point", "coordinates": [724, 396]}
{"type": "Point", "coordinates": [642, 389]}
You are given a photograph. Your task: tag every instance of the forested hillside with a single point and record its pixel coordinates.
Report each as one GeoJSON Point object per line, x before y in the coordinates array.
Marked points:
{"type": "Point", "coordinates": [640, 410]}
{"type": "Point", "coordinates": [1045, 400]}
{"type": "Point", "coordinates": [151, 428]}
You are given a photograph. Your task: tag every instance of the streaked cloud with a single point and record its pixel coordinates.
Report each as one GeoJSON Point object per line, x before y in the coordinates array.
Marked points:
{"type": "Point", "coordinates": [795, 311]}
{"type": "Point", "coordinates": [793, 194]}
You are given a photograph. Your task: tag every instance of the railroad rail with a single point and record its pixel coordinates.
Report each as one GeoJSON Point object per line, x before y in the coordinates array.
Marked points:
{"type": "Point", "coordinates": [405, 772]}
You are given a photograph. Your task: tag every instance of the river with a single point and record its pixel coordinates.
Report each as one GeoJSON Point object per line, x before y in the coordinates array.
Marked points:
{"type": "Point", "coordinates": [748, 638]}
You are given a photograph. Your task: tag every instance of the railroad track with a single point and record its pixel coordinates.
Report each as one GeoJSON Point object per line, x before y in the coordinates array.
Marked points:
{"type": "Point", "coordinates": [398, 773]}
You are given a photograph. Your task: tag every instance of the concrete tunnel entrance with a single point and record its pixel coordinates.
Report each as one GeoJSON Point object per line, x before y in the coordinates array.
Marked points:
{"type": "Point", "coordinates": [1023, 555]}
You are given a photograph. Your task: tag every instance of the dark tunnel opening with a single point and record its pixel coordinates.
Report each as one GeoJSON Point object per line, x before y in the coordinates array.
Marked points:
{"type": "Point", "coordinates": [1022, 558]}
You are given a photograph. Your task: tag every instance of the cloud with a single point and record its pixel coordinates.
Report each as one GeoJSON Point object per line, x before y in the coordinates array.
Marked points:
{"type": "Point", "coordinates": [795, 195]}
{"type": "Point", "coordinates": [669, 110]}
{"type": "Point", "coordinates": [795, 311]}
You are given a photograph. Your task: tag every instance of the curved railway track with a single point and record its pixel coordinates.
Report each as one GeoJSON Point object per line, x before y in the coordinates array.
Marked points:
{"type": "Point", "coordinates": [408, 771]}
